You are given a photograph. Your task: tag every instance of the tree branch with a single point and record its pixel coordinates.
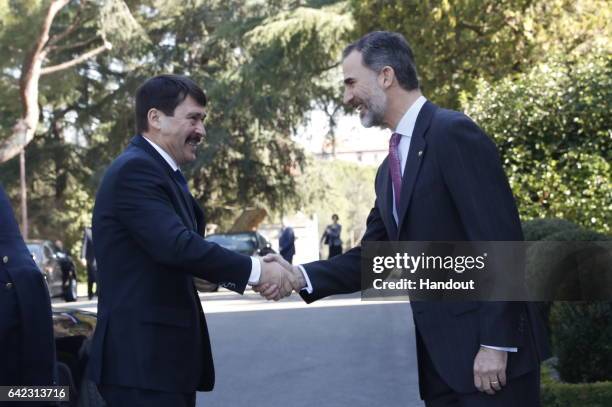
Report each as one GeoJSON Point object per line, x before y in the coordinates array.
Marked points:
{"type": "Point", "coordinates": [71, 28]}
{"type": "Point", "coordinates": [58, 48]}
{"type": "Point", "coordinates": [77, 60]}
{"type": "Point", "coordinates": [54, 8]}
{"type": "Point", "coordinates": [472, 27]}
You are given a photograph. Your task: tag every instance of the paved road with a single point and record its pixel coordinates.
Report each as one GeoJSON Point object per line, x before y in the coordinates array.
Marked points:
{"type": "Point", "coordinates": [340, 352]}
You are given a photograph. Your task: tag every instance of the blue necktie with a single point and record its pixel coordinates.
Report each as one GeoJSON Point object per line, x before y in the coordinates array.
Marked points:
{"type": "Point", "coordinates": [182, 181]}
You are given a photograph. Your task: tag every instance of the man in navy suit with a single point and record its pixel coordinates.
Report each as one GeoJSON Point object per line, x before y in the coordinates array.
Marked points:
{"type": "Point", "coordinates": [442, 181]}
{"type": "Point", "coordinates": [151, 344]}
{"type": "Point", "coordinates": [27, 348]}
{"type": "Point", "coordinates": [286, 243]}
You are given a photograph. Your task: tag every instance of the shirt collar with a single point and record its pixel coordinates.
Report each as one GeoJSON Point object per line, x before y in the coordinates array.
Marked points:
{"type": "Point", "coordinates": [164, 155]}
{"type": "Point", "coordinates": [406, 124]}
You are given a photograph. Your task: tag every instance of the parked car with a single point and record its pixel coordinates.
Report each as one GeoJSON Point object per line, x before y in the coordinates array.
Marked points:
{"type": "Point", "coordinates": [73, 330]}
{"type": "Point", "coordinates": [248, 243]}
{"type": "Point", "coordinates": [57, 267]}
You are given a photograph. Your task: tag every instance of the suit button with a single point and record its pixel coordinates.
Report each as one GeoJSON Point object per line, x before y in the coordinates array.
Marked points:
{"type": "Point", "coordinates": [9, 286]}
{"type": "Point", "coordinates": [5, 259]}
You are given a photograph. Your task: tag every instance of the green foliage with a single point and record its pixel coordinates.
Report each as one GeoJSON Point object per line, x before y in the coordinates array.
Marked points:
{"type": "Point", "coordinates": [540, 229]}
{"type": "Point", "coordinates": [339, 187]}
{"type": "Point", "coordinates": [578, 270]}
{"type": "Point", "coordinates": [553, 128]}
{"type": "Point", "coordinates": [253, 59]}
{"type": "Point", "coordinates": [582, 340]}
{"type": "Point", "coordinates": [557, 394]}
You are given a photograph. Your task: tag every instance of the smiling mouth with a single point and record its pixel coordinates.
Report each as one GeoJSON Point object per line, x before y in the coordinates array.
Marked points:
{"type": "Point", "coordinates": [193, 141]}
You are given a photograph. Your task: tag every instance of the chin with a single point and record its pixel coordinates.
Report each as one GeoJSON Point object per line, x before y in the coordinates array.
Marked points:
{"type": "Point", "coordinates": [367, 120]}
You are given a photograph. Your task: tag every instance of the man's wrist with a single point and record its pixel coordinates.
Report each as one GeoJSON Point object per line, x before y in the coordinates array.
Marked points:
{"type": "Point", "coordinates": [299, 276]}
{"type": "Point", "coordinates": [255, 276]}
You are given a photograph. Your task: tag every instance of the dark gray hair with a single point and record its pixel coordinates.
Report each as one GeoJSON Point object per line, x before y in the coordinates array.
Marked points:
{"type": "Point", "coordinates": [384, 48]}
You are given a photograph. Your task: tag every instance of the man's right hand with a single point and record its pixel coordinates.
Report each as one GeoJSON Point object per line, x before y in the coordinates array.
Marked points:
{"type": "Point", "coordinates": [272, 278]}
{"type": "Point", "coordinates": [291, 279]}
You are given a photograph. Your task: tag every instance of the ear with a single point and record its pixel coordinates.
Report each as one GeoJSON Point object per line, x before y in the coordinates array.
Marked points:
{"type": "Point", "coordinates": [386, 77]}
{"type": "Point", "coordinates": [154, 118]}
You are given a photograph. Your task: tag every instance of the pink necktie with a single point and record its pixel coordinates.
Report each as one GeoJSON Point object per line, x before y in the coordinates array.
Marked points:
{"type": "Point", "coordinates": [395, 167]}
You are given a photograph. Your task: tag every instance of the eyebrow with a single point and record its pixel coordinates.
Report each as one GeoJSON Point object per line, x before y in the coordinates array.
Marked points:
{"type": "Point", "coordinates": [196, 115]}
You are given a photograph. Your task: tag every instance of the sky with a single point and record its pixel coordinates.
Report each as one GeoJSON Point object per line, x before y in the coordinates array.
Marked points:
{"type": "Point", "coordinates": [350, 134]}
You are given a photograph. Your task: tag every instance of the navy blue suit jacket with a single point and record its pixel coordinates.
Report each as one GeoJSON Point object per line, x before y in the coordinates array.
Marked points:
{"type": "Point", "coordinates": [27, 347]}
{"type": "Point", "coordinates": [453, 189]}
{"type": "Point", "coordinates": [286, 242]}
{"type": "Point", "coordinates": [147, 234]}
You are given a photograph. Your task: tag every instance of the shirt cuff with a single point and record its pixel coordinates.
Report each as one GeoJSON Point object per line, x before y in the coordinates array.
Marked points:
{"type": "Point", "coordinates": [255, 271]}
{"type": "Point", "coordinates": [308, 287]}
{"type": "Point", "coordinates": [500, 348]}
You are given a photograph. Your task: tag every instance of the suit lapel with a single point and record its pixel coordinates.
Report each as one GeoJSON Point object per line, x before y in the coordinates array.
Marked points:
{"type": "Point", "coordinates": [200, 221]}
{"type": "Point", "coordinates": [185, 200]}
{"type": "Point", "coordinates": [187, 204]}
{"type": "Point", "coordinates": [386, 200]}
{"type": "Point", "coordinates": [416, 154]}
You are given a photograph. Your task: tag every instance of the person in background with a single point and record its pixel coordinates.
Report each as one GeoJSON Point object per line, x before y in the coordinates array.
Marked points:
{"type": "Point", "coordinates": [89, 260]}
{"type": "Point", "coordinates": [286, 243]}
{"type": "Point", "coordinates": [331, 237]}
{"type": "Point", "coordinates": [27, 348]}
{"type": "Point", "coordinates": [65, 262]}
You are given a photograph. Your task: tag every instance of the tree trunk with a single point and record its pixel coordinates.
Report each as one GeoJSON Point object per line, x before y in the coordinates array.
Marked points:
{"type": "Point", "coordinates": [31, 71]}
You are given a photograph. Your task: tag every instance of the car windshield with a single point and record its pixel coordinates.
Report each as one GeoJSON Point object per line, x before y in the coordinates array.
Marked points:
{"type": "Point", "coordinates": [240, 242]}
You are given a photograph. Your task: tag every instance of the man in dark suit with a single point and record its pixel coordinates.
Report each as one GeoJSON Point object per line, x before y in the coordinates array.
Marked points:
{"type": "Point", "coordinates": [442, 181]}
{"type": "Point", "coordinates": [151, 344]}
{"type": "Point", "coordinates": [27, 347]}
{"type": "Point", "coordinates": [286, 243]}
{"type": "Point", "coordinates": [88, 257]}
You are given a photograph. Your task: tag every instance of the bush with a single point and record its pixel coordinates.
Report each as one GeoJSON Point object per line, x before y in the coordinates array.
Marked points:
{"type": "Point", "coordinates": [557, 394]}
{"type": "Point", "coordinates": [582, 340]}
{"type": "Point", "coordinates": [538, 229]}
{"type": "Point", "coordinates": [581, 332]}
{"type": "Point", "coordinates": [569, 271]}
{"type": "Point", "coordinates": [552, 127]}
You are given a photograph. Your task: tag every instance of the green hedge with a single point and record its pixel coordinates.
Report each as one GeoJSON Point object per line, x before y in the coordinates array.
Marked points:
{"type": "Point", "coordinates": [558, 394]}
{"type": "Point", "coordinates": [567, 271]}
{"type": "Point", "coordinates": [539, 229]}
{"type": "Point", "coordinates": [582, 340]}
{"type": "Point", "coordinates": [552, 128]}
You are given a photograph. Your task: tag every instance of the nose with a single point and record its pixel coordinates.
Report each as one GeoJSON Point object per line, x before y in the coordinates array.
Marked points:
{"type": "Point", "coordinates": [200, 129]}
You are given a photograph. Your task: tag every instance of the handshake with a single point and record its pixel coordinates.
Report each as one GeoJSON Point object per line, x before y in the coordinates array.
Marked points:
{"type": "Point", "coordinates": [278, 278]}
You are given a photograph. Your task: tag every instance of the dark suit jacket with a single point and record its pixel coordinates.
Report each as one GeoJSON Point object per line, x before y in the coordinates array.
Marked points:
{"type": "Point", "coordinates": [286, 242]}
{"type": "Point", "coordinates": [27, 347]}
{"type": "Point", "coordinates": [151, 331]}
{"type": "Point", "coordinates": [453, 189]}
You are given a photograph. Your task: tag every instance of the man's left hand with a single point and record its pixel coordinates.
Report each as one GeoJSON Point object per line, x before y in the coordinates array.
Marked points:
{"type": "Point", "coordinates": [490, 370]}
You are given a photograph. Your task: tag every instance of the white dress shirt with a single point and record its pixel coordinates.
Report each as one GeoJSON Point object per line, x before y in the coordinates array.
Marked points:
{"type": "Point", "coordinates": [255, 263]}
{"type": "Point", "coordinates": [405, 127]}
